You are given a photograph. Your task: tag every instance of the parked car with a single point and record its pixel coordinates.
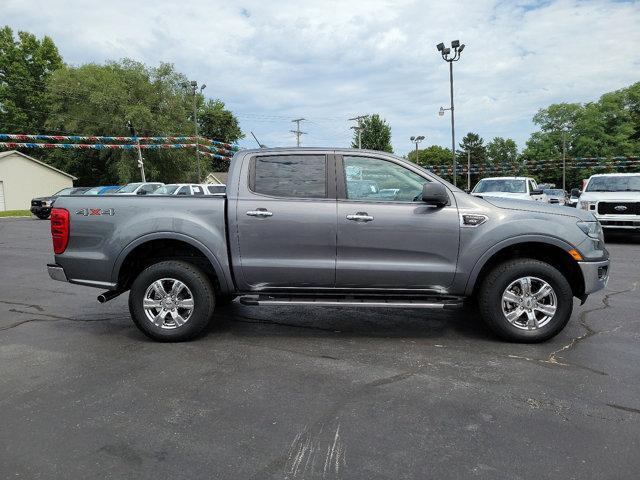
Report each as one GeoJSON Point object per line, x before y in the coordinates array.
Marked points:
{"type": "Point", "coordinates": [521, 188]}
{"type": "Point", "coordinates": [614, 199]}
{"type": "Point", "coordinates": [291, 230]}
{"type": "Point", "coordinates": [102, 190]}
{"type": "Point", "coordinates": [41, 206]}
{"type": "Point", "coordinates": [574, 197]}
{"type": "Point", "coordinates": [180, 189]}
{"type": "Point", "coordinates": [139, 188]}
{"type": "Point", "coordinates": [555, 196]}
{"type": "Point", "coordinates": [216, 188]}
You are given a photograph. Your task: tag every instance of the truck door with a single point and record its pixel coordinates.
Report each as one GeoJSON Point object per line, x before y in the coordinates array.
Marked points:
{"type": "Point", "coordinates": [533, 187]}
{"type": "Point", "coordinates": [286, 221]}
{"type": "Point", "coordinates": [387, 237]}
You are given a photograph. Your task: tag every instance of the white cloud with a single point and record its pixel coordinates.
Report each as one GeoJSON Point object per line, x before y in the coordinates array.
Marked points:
{"type": "Point", "coordinates": [330, 60]}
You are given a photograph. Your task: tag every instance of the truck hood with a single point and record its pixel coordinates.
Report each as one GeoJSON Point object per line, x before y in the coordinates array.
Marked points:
{"type": "Point", "coordinates": [539, 207]}
{"type": "Point", "coordinates": [610, 197]}
{"type": "Point", "coordinates": [43, 199]}
{"type": "Point", "coordinates": [522, 196]}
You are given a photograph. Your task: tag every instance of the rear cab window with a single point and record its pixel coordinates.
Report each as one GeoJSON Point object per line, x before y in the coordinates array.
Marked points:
{"type": "Point", "coordinates": [289, 176]}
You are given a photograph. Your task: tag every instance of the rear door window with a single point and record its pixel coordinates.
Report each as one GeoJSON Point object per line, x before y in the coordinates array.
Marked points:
{"type": "Point", "coordinates": [297, 176]}
{"type": "Point", "coordinates": [197, 190]}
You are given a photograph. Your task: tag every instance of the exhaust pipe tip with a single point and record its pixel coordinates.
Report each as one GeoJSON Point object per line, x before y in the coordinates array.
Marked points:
{"type": "Point", "coordinates": [109, 295]}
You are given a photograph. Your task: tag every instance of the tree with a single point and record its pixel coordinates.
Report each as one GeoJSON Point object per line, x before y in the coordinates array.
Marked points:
{"type": "Point", "coordinates": [217, 123]}
{"type": "Point", "coordinates": [100, 99]}
{"type": "Point", "coordinates": [432, 156]}
{"type": "Point", "coordinates": [606, 128]}
{"type": "Point", "coordinates": [375, 134]}
{"type": "Point", "coordinates": [26, 64]}
{"type": "Point", "coordinates": [502, 152]}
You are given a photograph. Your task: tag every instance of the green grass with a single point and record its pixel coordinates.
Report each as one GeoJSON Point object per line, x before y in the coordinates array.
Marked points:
{"type": "Point", "coordinates": [15, 213]}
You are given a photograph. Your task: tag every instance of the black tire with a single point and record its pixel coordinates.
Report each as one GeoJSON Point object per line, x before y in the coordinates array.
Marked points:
{"type": "Point", "coordinates": [42, 216]}
{"type": "Point", "coordinates": [199, 288]}
{"type": "Point", "coordinates": [498, 280]}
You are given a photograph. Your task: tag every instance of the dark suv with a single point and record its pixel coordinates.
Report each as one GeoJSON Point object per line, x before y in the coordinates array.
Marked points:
{"type": "Point", "coordinates": [41, 206]}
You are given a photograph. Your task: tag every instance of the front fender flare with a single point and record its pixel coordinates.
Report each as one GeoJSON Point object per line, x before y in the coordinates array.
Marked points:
{"type": "Point", "coordinates": [486, 256]}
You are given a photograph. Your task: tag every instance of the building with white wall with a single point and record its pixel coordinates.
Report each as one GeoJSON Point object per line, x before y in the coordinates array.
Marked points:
{"type": "Point", "coordinates": [23, 177]}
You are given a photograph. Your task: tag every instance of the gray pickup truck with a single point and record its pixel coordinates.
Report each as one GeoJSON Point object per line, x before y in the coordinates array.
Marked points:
{"type": "Point", "coordinates": [335, 227]}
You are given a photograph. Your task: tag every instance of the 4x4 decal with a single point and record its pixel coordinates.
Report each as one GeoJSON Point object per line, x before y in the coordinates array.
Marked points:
{"type": "Point", "coordinates": [95, 211]}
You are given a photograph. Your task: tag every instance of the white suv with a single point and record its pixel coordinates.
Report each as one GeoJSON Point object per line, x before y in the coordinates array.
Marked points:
{"type": "Point", "coordinates": [614, 199]}
{"type": "Point", "coordinates": [521, 188]}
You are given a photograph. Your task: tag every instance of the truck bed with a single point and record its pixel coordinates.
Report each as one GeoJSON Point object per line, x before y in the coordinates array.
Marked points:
{"type": "Point", "coordinates": [104, 229]}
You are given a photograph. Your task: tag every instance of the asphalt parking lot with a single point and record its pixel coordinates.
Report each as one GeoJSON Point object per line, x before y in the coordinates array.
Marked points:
{"type": "Point", "coordinates": [308, 393]}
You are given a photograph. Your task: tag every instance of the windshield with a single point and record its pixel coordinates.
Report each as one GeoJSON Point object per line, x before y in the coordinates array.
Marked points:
{"type": "Point", "coordinates": [129, 188]}
{"type": "Point", "coordinates": [93, 191]}
{"type": "Point", "coordinates": [64, 191]}
{"type": "Point", "coordinates": [166, 190]}
{"type": "Point", "coordinates": [614, 184]}
{"type": "Point", "coordinates": [505, 186]}
{"type": "Point", "coordinates": [554, 192]}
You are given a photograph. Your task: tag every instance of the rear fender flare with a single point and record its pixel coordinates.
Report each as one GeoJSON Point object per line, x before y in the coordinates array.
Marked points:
{"type": "Point", "coordinates": [215, 263]}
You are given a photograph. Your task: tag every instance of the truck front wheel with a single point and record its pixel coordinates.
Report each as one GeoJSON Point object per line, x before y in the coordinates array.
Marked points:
{"type": "Point", "coordinates": [172, 301]}
{"type": "Point", "coordinates": [525, 300]}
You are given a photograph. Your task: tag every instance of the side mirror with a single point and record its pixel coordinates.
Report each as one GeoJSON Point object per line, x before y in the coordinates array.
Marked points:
{"type": "Point", "coordinates": [536, 192]}
{"type": "Point", "coordinates": [575, 192]}
{"type": "Point", "coordinates": [435, 193]}
{"type": "Point", "coordinates": [141, 192]}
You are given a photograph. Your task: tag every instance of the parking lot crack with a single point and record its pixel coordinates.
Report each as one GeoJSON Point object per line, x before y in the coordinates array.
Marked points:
{"type": "Point", "coordinates": [589, 331]}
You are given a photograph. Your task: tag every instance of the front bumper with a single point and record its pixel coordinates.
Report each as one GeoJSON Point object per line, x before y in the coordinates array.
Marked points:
{"type": "Point", "coordinates": [41, 210]}
{"type": "Point", "coordinates": [629, 222]}
{"type": "Point", "coordinates": [57, 272]}
{"type": "Point", "coordinates": [595, 275]}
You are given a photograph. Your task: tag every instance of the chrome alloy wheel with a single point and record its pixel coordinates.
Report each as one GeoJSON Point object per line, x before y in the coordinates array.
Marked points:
{"type": "Point", "coordinates": [168, 303]}
{"type": "Point", "coordinates": [529, 303]}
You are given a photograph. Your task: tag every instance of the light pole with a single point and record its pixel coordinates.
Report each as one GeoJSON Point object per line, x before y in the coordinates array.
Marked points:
{"type": "Point", "coordinates": [194, 90]}
{"type": "Point", "coordinates": [417, 140]}
{"type": "Point", "coordinates": [445, 52]}
{"type": "Point", "coordinates": [564, 156]}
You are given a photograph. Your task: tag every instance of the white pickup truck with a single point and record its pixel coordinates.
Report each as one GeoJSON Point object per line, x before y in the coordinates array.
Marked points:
{"type": "Point", "coordinates": [614, 199]}
{"type": "Point", "coordinates": [517, 188]}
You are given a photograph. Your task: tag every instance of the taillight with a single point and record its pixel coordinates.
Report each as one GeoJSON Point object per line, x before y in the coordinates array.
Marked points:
{"type": "Point", "coordinates": [59, 229]}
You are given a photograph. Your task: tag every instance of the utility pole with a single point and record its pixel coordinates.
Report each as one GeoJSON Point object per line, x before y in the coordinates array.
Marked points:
{"type": "Point", "coordinates": [140, 161]}
{"type": "Point", "coordinates": [297, 130]}
{"type": "Point", "coordinates": [358, 129]}
{"type": "Point", "coordinates": [469, 170]}
{"type": "Point", "coordinates": [194, 91]}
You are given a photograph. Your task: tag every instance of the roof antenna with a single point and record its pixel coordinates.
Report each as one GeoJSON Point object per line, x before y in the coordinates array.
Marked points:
{"type": "Point", "coordinates": [258, 141]}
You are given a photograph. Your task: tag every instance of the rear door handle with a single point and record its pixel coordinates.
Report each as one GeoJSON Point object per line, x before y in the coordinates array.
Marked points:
{"type": "Point", "coordinates": [360, 217]}
{"type": "Point", "coordinates": [259, 212]}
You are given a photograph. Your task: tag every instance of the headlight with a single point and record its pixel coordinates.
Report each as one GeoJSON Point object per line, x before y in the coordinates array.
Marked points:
{"type": "Point", "coordinates": [46, 204]}
{"type": "Point", "coordinates": [592, 228]}
{"type": "Point", "coordinates": [588, 205]}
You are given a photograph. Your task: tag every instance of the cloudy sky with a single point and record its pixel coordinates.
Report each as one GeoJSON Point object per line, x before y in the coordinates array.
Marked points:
{"type": "Point", "coordinates": [327, 61]}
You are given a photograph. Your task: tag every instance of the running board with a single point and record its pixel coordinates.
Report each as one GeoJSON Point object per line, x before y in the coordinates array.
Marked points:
{"type": "Point", "coordinates": [442, 303]}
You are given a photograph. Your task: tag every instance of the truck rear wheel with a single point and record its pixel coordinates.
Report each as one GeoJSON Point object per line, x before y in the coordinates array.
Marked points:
{"type": "Point", "coordinates": [172, 301]}
{"type": "Point", "coordinates": [525, 300]}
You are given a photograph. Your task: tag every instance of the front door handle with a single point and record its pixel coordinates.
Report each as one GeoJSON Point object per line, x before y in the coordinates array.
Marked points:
{"type": "Point", "coordinates": [259, 212]}
{"type": "Point", "coordinates": [360, 217]}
